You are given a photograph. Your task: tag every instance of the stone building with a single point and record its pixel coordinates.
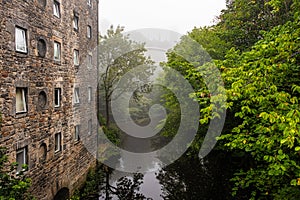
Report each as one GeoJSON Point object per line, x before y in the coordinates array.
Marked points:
{"type": "Point", "coordinates": [48, 82]}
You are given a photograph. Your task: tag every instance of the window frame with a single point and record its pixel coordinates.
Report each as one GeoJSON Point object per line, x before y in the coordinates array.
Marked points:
{"type": "Point", "coordinates": [89, 32]}
{"type": "Point", "coordinates": [57, 142]}
{"type": "Point", "coordinates": [90, 127]}
{"type": "Point", "coordinates": [56, 9]}
{"type": "Point", "coordinates": [77, 133]}
{"type": "Point", "coordinates": [76, 22]}
{"type": "Point", "coordinates": [90, 94]}
{"type": "Point", "coordinates": [58, 97]}
{"type": "Point", "coordinates": [24, 40]}
{"type": "Point", "coordinates": [24, 152]}
{"type": "Point", "coordinates": [24, 100]}
{"type": "Point", "coordinates": [57, 47]}
{"type": "Point", "coordinates": [89, 3]}
{"type": "Point", "coordinates": [90, 61]}
{"type": "Point", "coordinates": [76, 95]}
{"type": "Point", "coordinates": [76, 61]}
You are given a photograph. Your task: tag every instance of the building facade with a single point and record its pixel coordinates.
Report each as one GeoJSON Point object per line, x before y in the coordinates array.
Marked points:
{"type": "Point", "coordinates": [48, 84]}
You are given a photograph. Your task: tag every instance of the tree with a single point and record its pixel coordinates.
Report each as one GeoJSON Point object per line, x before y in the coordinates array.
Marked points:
{"type": "Point", "coordinates": [12, 186]}
{"type": "Point", "coordinates": [117, 56]}
{"type": "Point", "coordinates": [243, 21]}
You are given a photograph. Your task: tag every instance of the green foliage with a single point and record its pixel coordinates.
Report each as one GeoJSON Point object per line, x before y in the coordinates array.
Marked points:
{"type": "Point", "coordinates": [92, 186]}
{"type": "Point", "coordinates": [262, 88]}
{"type": "Point", "coordinates": [243, 21]}
{"type": "Point", "coordinates": [261, 75]}
{"type": "Point", "coordinates": [209, 38]}
{"type": "Point", "coordinates": [118, 56]}
{"type": "Point", "coordinates": [12, 186]}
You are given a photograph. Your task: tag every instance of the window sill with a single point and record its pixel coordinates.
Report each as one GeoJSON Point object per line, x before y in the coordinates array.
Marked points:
{"type": "Point", "coordinates": [21, 114]}
{"type": "Point", "coordinates": [22, 52]}
{"type": "Point", "coordinates": [58, 62]}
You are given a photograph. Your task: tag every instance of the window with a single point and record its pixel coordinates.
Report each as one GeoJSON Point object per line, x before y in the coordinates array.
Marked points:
{"type": "Point", "coordinates": [89, 32]}
{"type": "Point", "coordinates": [90, 61]}
{"type": "Point", "coordinates": [89, 94]}
{"type": "Point", "coordinates": [21, 100]}
{"type": "Point", "coordinates": [90, 127]}
{"type": "Point", "coordinates": [57, 142]}
{"type": "Point", "coordinates": [57, 50]}
{"type": "Point", "coordinates": [76, 22]}
{"type": "Point", "coordinates": [76, 57]}
{"type": "Point", "coordinates": [42, 48]}
{"type": "Point", "coordinates": [89, 2]}
{"type": "Point", "coordinates": [43, 152]}
{"type": "Point", "coordinates": [56, 9]}
{"type": "Point", "coordinates": [76, 135]}
{"type": "Point", "coordinates": [20, 40]}
{"type": "Point", "coordinates": [76, 95]}
{"type": "Point", "coordinates": [42, 100]}
{"type": "Point", "coordinates": [57, 95]}
{"type": "Point", "coordinates": [21, 158]}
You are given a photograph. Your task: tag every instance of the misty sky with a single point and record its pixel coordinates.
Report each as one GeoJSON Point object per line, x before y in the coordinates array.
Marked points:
{"type": "Point", "coordinates": [176, 15]}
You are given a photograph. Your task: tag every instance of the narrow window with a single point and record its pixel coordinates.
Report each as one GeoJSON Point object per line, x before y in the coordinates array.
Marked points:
{"type": "Point", "coordinates": [20, 40]}
{"type": "Point", "coordinates": [56, 9]}
{"type": "Point", "coordinates": [89, 2]}
{"type": "Point", "coordinates": [76, 22]}
{"type": "Point", "coordinates": [57, 50]}
{"type": "Point", "coordinates": [89, 94]}
{"type": "Point", "coordinates": [57, 95]}
{"type": "Point", "coordinates": [76, 135]}
{"type": "Point", "coordinates": [21, 100]}
{"type": "Point", "coordinates": [21, 159]}
{"type": "Point", "coordinates": [90, 61]}
{"type": "Point", "coordinates": [89, 32]}
{"type": "Point", "coordinates": [76, 95]}
{"type": "Point", "coordinates": [42, 48]}
{"type": "Point", "coordinates": [76, 57]}
{"type": "Point", "coordinates": [43, 152]}
{"type": "Point", "coordinates": [90, 127]}
{"type": "Point", "coordinates": [57, 142]}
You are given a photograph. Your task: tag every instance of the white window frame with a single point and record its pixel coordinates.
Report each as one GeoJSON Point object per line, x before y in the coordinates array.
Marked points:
{"type": "Point", "coordinates": [23, 100]}
{"type": "Point", "coordinates": [90, 124]}
{"type": "Point", "coordinates": [57, 142]}
{"type": "Point", "coordinates": [76, 96]}
{"type": "Point", "coordinates": [76, 57]}
{"type": "Point", "coordinates": [77, 132]}
{"type": "Point", "coordinates": [76, 23]}
{"type": "Point", "coordinates": [56, 8]}
{"type": "Point", "coordinates": [23, 152]}
{"type": "Point", "coordinates": [90, 61]}
{"type": "Point", "coordinates": [57, 51]}
{"type": "Point", "coordinates": [57, 93]}
{"type": "Point", "coordinates": [89, 3]}
{"type": "Point", "coordinates": [89, 32]}
{"type": "Point", "coordinates": [89, 94]}
{"type": "Point", "coordinates": [20, 40]}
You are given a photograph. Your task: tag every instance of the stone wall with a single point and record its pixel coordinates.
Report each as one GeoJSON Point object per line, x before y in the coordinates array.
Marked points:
{"type": "Point", "coordinates": [39, 74]}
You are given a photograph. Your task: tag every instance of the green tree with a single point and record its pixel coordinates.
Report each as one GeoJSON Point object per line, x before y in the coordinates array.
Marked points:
{"type": "Point", "coordinates": [117, 56]}
{"type": "Point", "coordinates": [243, 21]}
{"type": "Point", "coordinates": [12, 186]}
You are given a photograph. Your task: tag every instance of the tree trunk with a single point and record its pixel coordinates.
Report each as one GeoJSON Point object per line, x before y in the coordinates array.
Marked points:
{"type": "Point", "coordinates": [107, 111]}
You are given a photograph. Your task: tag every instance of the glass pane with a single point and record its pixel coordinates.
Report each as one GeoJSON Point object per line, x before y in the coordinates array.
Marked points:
{"type": "Point", "coordinates": [76, 57]}
{"type": "Point", "coordinates": [56, 51]}
{"type": "Point", "coordinates": [20, 100]}
{"type": "Point", "coordinates": [20, 159]}
{"type": "Point", "coordinates": [20, 40]}
{"type": "Point", "coordinates": [57, 97]}
{"type": "Point", "coordinates": [56, 9]}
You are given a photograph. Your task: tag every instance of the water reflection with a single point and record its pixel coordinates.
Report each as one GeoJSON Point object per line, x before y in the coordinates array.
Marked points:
{"type": "Point", "coordinates": [187, 179]}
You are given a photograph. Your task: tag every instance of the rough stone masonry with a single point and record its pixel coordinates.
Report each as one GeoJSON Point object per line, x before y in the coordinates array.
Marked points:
{"type": "Point", "coordinates": [48, 83]}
